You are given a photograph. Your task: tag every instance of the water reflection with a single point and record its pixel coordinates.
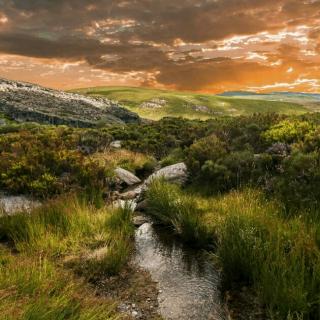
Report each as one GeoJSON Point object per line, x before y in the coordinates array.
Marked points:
{"type": "Point", "coordinates": [188, 282]}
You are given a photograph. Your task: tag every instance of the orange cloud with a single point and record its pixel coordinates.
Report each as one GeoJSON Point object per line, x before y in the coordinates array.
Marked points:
{"type": "Point", "coordinates": [203, 45]}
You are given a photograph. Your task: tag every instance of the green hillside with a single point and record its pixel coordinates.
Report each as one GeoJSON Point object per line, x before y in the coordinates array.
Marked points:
{"type": "Point", "coordinates": [156, 104]}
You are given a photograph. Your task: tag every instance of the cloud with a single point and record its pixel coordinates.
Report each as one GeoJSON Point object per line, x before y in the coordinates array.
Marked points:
{"type": "Point", "coordinates": [184, 44]}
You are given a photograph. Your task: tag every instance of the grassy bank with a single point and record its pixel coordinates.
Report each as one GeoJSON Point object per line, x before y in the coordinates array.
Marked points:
{"type": "Point", "coordinates": [256, 245]}
{"type": "Point", "coordinates": [48, 250]}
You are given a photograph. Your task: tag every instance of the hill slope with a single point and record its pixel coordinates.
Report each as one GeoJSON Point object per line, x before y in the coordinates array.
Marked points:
{"type": "Point", "coordinates": [27, 102]}
{"type": "Point", "coordinates": [155, 104]}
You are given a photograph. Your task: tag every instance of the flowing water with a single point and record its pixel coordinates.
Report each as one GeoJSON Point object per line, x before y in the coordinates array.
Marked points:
{"type": "Point", "coordinates": [187, 280]}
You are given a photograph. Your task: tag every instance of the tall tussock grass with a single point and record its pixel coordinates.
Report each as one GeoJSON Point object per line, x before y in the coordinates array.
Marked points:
{"type": "Point", "coordinates": [279, 257]}
{"type": "Point", "coordinates": [65, 226]}
{"type": "Point", "coordinates": [111, 259]}
{"type": "Point", "coordinates": [170, 206]}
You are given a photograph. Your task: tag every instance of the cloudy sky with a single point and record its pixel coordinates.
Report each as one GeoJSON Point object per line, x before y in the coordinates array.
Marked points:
{"type": "Point", "coordinates": [198, 45]}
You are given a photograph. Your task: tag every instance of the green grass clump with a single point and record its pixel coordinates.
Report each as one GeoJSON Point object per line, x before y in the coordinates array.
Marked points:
{"type": "Point", "coordinates": [171, 207]}
{"type": "Point", "coordinates": [69, 227]}
{"type": "Point", "coordinates": [111, 259]}
{"type": "Point", "coordinates": [280, 258]}
{"type": "Point", "coordinates": [35, 288]}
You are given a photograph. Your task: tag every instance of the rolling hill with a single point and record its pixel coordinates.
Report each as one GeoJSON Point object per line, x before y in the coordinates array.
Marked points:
{"type": "Point", "coordinates": [155, 104]}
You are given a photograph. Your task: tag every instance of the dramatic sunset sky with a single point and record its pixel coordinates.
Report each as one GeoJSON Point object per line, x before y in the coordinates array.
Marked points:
{"type": "Point", "coordinates": [199, 45]}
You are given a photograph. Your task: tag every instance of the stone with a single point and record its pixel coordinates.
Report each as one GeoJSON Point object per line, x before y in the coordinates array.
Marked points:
{"type": "Point", "coordinates": [127, 177]}
{"type": "Point", "coordinates": [142, 205]}
{"type": "Point", "coordinates": [129, 195]}
{"type": "Point", "coordinates": [132, 193]}
{"type": "Point", "coordinates": [154, 104]}
{"type": "Point", "coordinates": [176, 173]}
{"type": "Point", "coordinates": [139, 220]}
{"type": "Point", "coordinates": [279, 149]}
{"type": "Point", "coordinates": [134, 313]}
{"type": "Point", "coordinates": [116, 144]}
{"type": "Point", "coordinates": [11, 205]}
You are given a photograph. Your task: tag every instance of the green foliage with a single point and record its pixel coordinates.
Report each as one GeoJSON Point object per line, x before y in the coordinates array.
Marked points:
{"type": "Point", "coordinates": [289, 131]}
{"type": "Point", "coordinates": [45, 162]}
{"type": "Point", "coordinates": [298, 185]}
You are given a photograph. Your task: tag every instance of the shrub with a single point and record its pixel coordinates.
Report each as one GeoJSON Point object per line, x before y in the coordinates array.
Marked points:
{"type": "Point", "coordinates": [298, 185]}
{"type": "Point", "coordinates": [289, 131]}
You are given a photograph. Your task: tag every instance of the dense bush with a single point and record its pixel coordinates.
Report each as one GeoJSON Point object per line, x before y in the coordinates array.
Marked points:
{"type": "Point", "coordinates": [279, 155]}
{"type": "Point", "coordinates": [45, 162]}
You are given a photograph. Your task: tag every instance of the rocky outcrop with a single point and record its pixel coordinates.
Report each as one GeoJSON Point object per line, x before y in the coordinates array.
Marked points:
{"type": "Point", "coordinates": [125, 176]}
{"type": "Point", "coordinates": [176, 173]}
{"type": "Point", "coordinates": [27, 102]}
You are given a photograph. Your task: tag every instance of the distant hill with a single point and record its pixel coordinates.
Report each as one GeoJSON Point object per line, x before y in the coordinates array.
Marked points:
{"type": "Point", "coordinates": [155, 104]}
{"type": "Point", "coordinates": [28, 102]}
{"type": "Point", "coordinates": [289, 94]}
{"type": "Point", "coordinates": [237, 93]}
{"type": "Point", "coordinates": [310, 101]}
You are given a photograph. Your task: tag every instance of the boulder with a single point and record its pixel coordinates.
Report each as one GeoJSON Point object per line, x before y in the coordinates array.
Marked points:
{"type": "Point", "coordinates": [176, 173]}
{"type": "Point", "coordinates": [142, 205]}
{"type": "Point", "coordinates": [127, 177]}
{"type": "Point", "coordinates": [11, 205]}
{"type": "Point", "coordinates": [116, 144]}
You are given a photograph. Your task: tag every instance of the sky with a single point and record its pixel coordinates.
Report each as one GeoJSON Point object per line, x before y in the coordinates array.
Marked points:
{"type": "Point", "coordinates": [192, 45]}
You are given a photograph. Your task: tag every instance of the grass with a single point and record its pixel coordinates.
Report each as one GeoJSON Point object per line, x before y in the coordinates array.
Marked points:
{"type": "Point", "coordinates": [171, 207]}
{"type": "Point", "coordinates": [182, 104]}
{"type": "Point", "coordinates": [35, 288]}
{"type": "Point", "coordinates": [279, 257]}
{"type": "Point", "coordinates": [38, 280]}
{"type": "Point", "coordinates": [256, 245]}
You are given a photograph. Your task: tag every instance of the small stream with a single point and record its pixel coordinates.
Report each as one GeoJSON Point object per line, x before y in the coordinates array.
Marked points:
{"type": "Point", "coordinates": [188, 282]}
